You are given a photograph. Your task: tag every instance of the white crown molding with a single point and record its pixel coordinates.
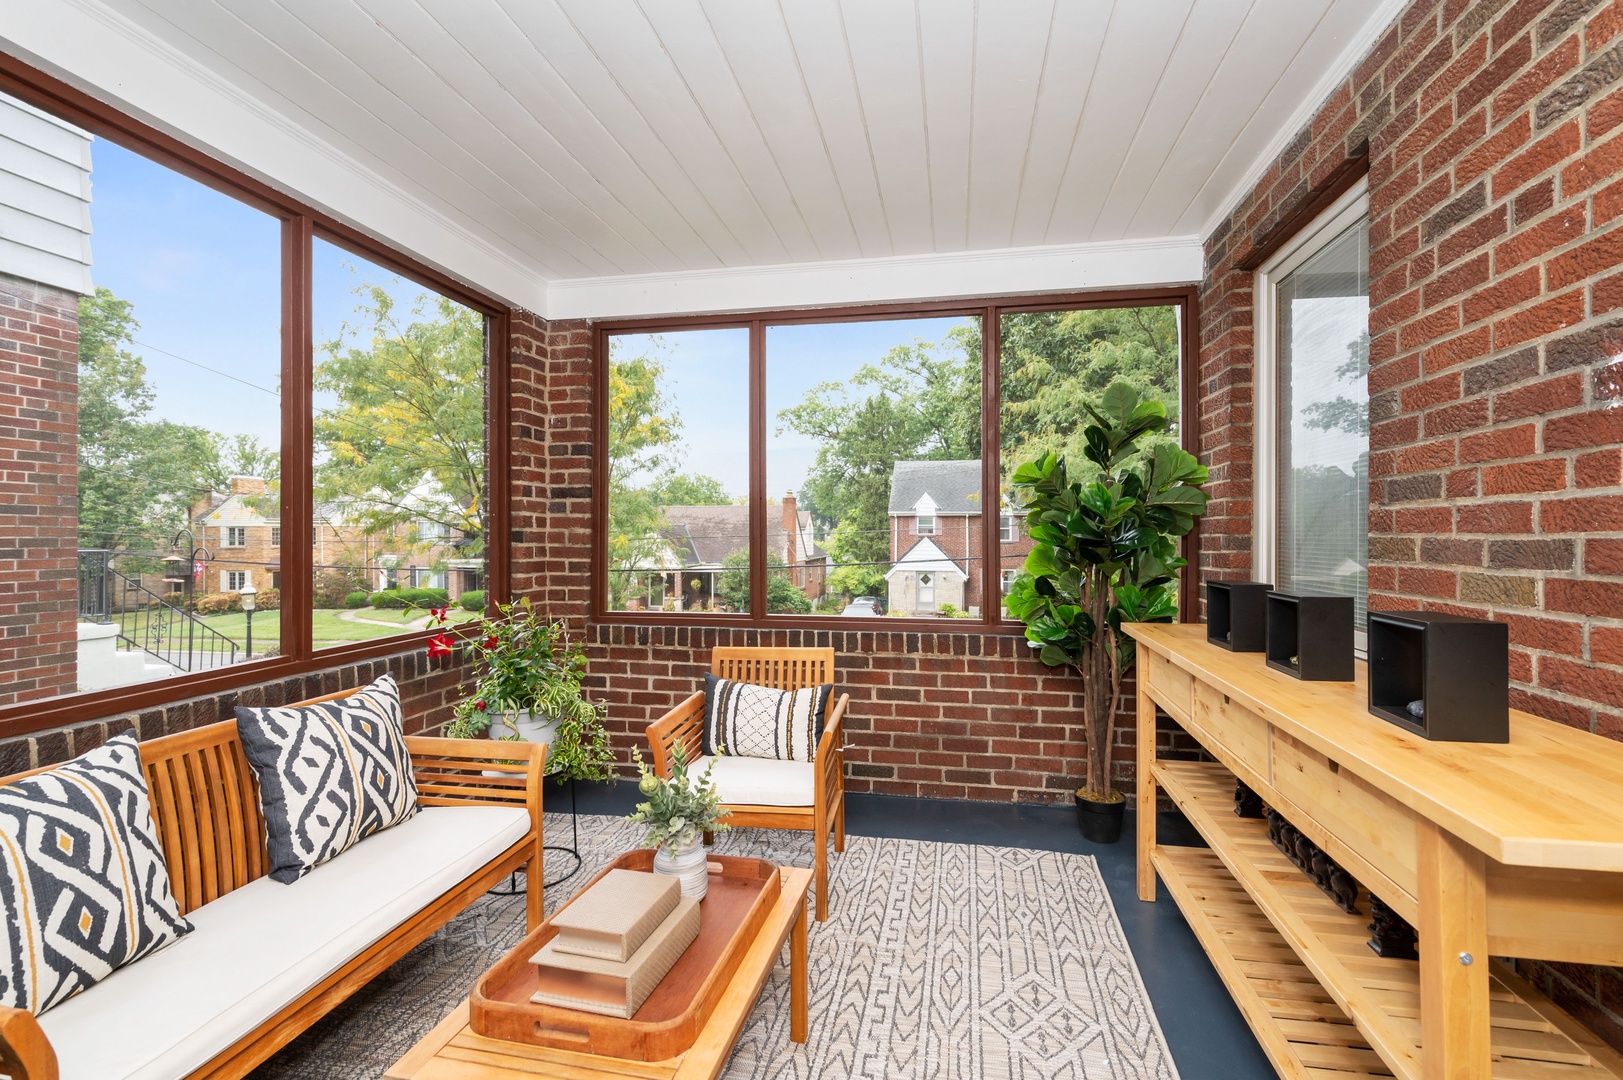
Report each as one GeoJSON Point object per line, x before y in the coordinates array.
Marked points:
{"type": "Point", "coordinates": [112, 58]}
{"type": "Point", "coordinates": [1360, 44]}
{"type": "Point", "coordinates": [1174, 260]}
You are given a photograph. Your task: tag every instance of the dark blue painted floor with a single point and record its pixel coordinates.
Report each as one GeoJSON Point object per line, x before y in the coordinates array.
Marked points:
{"type": "Point", "coordinates": [1208, 1037]}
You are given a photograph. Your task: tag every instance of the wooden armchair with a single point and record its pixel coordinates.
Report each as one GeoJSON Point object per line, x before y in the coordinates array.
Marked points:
{"type": "Point", "coordinates": [822, 785]}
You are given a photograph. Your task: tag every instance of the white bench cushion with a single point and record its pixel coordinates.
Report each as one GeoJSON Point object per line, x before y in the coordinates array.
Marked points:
{"type": "Point", "coordinates": [260, 947]}
{"type": "Point", "coordinates": [759, 781]}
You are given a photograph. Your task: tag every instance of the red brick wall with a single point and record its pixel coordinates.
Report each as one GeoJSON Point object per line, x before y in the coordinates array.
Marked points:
{"type": "Point", "coordinates": [1495, 142]}
{"type": "Point", "coordinates": [39, 514]}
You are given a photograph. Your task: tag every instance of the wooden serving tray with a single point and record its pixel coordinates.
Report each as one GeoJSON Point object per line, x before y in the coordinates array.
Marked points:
{"type": "Point", "coordinates": [730, 915]}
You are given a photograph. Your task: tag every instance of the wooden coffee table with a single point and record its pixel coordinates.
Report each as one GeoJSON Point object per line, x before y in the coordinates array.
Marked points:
{"type": "Point", "coordinates": [453, 1052]}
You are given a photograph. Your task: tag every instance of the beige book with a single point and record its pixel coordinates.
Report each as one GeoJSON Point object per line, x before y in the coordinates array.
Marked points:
{"type": "Point", "coordinates": [609, 988]}
{"type": "Point", "coordinates": [612, 919]}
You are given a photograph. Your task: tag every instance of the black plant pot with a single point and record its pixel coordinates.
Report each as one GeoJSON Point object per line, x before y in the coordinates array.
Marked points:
{"type": "Point", "coordinates": [1100, 822]}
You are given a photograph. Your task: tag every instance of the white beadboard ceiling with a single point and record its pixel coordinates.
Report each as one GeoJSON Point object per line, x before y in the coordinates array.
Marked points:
{"type": "Point", "coordinates": [598, 157]}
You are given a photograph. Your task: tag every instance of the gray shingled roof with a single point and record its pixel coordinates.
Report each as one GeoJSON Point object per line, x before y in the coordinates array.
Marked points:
{"type": "Point", "coordinates": [705, 535]}
{"type": "Point", "coordinates": [955, 486]}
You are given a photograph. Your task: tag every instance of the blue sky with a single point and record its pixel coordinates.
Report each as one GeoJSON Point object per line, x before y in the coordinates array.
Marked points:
{"type": "Point", "coordinates": [204, 274]}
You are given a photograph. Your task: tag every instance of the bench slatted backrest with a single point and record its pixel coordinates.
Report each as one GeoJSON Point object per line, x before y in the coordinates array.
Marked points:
{"type": "Point", "coordinates": [781, 669]}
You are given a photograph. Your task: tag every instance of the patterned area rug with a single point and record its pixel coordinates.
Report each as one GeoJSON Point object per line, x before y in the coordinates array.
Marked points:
{"type": "Point", "coordinates": [938, 960]}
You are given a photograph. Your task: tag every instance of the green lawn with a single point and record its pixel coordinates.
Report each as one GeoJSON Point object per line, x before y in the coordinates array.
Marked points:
{"type": "Point", "coordinates": [327, 627]}
{"type": "Point", "coordinates": [402, 616]}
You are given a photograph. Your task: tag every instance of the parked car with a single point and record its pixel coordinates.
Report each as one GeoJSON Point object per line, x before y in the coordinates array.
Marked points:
{"type": "Point", "coordinates": [862, 605]}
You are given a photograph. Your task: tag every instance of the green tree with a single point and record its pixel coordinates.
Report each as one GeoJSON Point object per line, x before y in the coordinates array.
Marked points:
{"type": "Point", "coordinates": [783, 596]}
{"type": "Point", "coordinates": [138, 477]}
{"type": "Point", "coordinates": [689, 489]}
{"type": "Point", "coordinates": [405, 439]}
{"type": "Point", "coordinates": [643, 427]}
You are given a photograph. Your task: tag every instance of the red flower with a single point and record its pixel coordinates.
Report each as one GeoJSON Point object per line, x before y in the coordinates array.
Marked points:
{"type": "Point", "coordinates": [491, 642]}
{"type": "Point", "coordinates": [480, 705]}
{"type": "Point", "coordinates": [439, 645]}
{"type": "Point", "coordinates": [438, 614]}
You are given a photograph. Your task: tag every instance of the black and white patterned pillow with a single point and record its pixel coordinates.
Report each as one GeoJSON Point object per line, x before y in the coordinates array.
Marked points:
{"type": "Point", "coordinates": [330, 775]}
{"type": "Point", "coordinates": [82, 877]}
{"type": "Point", "coordinates": [745, 720]}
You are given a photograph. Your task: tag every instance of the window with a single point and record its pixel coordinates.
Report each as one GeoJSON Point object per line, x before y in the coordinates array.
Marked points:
{"type": "Point", "coordinates": [1313, 409]}
{"type": "Point", "coordinates": [1008, 577]}
{"type": "Point", "coordinates": [678, 472]}
{"type": "Point", "coordinates": [399, 434]}
{"type": "Point", "coordinates": [185, 296]}
{"type": "Point", "coordinates": [842, 455]}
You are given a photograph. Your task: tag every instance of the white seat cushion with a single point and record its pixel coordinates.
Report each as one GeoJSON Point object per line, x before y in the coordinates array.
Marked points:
{"type": "Point", "coordinates": [760, 781]}
{"type": "Point", "coordinates": [258, 948]}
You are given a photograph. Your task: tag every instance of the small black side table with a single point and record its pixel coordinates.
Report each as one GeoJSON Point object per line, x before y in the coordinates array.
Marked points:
{"type": "Point", "coordinates": [573, 851]}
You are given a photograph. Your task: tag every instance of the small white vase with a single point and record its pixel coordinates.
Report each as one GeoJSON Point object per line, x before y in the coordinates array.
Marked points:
{"type": "Point", "coordinates": [528, 727]}
{"type": "Point", "coordinates": [687, 864]}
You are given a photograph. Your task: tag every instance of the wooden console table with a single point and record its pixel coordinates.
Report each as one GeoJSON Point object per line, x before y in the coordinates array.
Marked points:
{"type": "Point", "coordinates": [1512, 850]}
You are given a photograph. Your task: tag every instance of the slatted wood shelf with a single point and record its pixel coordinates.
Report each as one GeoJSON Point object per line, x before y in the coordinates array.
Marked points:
{"type": "Point", "coordinates": [1301, 970]}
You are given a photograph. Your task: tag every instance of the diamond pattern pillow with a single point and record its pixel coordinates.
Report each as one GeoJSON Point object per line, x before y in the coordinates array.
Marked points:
{"type": "Point", "coordinates": [82, 877]}
{"type": "Point", "coordinates": [744, 720]}
{"type": "Point", "coordinates": [330, 775]}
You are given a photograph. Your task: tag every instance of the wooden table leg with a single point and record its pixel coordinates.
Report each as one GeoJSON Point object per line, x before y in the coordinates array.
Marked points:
{"type": "Point", "coordinates": [1453, 929]}
{"type": "Point", "coordinates": [798, 980]}
{"type": "Point", "coordinates": [1146, 790]}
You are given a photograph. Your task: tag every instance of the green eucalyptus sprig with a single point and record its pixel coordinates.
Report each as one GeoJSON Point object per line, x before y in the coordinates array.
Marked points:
{"type": "Point", "coordinates": [679, 808]}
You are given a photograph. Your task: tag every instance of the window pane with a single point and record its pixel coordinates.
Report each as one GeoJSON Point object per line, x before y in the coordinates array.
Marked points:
{"type": "Point", "coordinates": [1055, 361]}
{"type": "Point", "coordinates": [399, 509]}
{"type": "Point", "coordinates": [139, 388]}
{"type": "Point", "coordinates": [1324, 421]}
{"type": "Point", "coordinates": [873, 449]}
{"type": "Point", "coordinates": [678, 537]}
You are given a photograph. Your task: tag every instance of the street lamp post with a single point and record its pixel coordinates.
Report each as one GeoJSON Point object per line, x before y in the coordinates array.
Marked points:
{"type": "Point", "coordinates": [178, 570]}
{"type": "Point", "coordinates": [248, 593]}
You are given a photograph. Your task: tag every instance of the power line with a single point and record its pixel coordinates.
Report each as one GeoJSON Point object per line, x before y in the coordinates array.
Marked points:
{"type": "Point", "coordinates": [205, 367]}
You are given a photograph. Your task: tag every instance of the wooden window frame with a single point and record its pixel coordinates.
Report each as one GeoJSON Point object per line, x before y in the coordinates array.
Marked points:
{"type": "Point", "coordinates": [990, 311]}
{"type": "Point", "coordinates": [301, 223]}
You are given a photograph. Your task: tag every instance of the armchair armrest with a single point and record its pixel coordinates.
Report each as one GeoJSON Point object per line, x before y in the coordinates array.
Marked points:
{"type": "Point", "coordinates": [25, 1052]}
{"type": "Point", "coordinates": [683, 725]}
{"type": "Point", "coordinates": [830, 758]}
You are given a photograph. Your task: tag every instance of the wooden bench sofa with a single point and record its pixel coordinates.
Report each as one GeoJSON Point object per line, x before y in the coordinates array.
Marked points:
{"type": "Point", "coordinates": [205, 804]}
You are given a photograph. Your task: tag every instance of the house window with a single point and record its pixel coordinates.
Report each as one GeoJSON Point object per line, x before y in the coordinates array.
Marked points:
{"type": "Point", "coordinates": [1008, 577]}
{"type": "Point", "coordinates": [432, 531]}
{"type": "Point", "coordinates": [840, 455]}
{"type": "Point", "coordinates": [1312, 453]}
{"type": "Point", "coordinates": [181, 368]}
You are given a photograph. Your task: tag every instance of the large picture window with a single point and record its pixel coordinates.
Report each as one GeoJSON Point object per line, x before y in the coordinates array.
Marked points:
{"type": "Point", "coordinates": [198, 381]}
{"type": "Point", "coordinates": [836, 465]}
{"type": "Point", "coordinates": [1313, 409]}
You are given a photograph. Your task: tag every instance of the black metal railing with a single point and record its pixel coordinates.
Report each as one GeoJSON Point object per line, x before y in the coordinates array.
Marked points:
{"type": "Point", "coordinates": [146, 621]}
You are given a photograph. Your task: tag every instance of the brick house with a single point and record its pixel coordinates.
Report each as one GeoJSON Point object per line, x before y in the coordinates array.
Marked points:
{"type": "Point", "coordinates": [935, 538]}
{"type": "Point", "coordinates": [698, 539]}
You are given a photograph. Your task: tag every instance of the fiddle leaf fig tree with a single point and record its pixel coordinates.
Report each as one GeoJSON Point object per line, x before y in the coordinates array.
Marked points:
{"type": "Point", "coordinates": [1105, 552]}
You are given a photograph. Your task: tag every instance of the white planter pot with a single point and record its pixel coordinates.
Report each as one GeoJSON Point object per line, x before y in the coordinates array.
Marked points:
{"type": "Point", "coordinates": [529, 728]}
{"type": "Point", "coordinates": [686, 864]}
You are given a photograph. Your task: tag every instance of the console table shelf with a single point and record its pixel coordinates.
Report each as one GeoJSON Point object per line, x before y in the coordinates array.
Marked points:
{"type": "Point", "coordinates": [1511, 849]}
{"type": "Point", "coordinates": [1276, 938]}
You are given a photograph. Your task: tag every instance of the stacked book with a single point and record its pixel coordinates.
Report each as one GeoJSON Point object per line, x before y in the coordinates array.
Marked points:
{"type": "Point", "coordinates": [615, 942]}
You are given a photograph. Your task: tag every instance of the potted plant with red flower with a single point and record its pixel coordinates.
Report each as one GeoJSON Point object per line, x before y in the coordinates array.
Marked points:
{"type": "Point", "coordinates": [527, 685]}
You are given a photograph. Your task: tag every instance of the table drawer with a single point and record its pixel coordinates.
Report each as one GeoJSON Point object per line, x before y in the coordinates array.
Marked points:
{"type": "Point", "coordinates": [1231, 730]}
{"type": "Point", "coordinates": [1170, 685]}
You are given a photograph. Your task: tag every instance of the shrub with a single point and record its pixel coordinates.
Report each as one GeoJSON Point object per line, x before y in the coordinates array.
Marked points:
{"type": "Point", "coordinates": [356, 599]}
{"type": "Point", "coordinates": [389, 598]}
{"type": "Point", "coordinates": [334, 584]}
{"type": "Point", "coordinates": [425, 597]}
{"type": "Point", "coordinates": [218, 603]}
{"type": "Point", "coordinates": [268, 600]}
{"type": "Point", "coordinates": [472, 600]}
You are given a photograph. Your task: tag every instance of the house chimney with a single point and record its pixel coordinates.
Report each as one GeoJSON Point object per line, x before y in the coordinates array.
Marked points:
{"type": "Point", "coordinates": [791, 529]}
{"type": "Point", "coordinates": [247, 485]}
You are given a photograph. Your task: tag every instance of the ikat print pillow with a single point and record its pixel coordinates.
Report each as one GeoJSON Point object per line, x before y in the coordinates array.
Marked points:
{"type": "Point", "coordinates": [744, 720]}
{"type": "Point", "coordinates": [330, 775]}
{"type": "Point", "coordinates": [82, 877]}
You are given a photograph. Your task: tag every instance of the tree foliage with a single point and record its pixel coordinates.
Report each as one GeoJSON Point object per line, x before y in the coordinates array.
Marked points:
{"type": "Point", "coordinates": [783, 596]}
{"type": "Point", "coordinates": [138, 477]}
{"type": "Point", "coordinates": [405, 438]}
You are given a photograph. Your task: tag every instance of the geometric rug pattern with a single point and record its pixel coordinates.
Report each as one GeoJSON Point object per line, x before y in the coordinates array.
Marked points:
{"type": "Point", "coordinates": [937, 960]}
